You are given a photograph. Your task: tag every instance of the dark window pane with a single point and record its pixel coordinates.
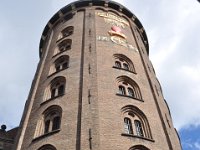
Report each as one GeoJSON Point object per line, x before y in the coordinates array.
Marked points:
{"type": "Point", "coordinates": [61, 90]}
{"type": "Point", "coordinates": [58, 68]}
{"type": "Point", "coordinates": [68, 31]}
{"type": "Point", "coordinates": [65, 45]}
{"type": "Point", "coordinates": [128, 126]}
{"type": "Point", "coordinates": [62, 48]}
{"type": "Point", "coordinates": [125, 66]}
{"type": "Point", "coordinates": [65, 65]}
{"type": "Point", "coordinates": [131, 92]}
{"type": "Point", "coordinates": [68, 46]}
{"type": "Point", "coordinates": [122, 90]}
{"type": "Point", "coordinates": [53, 93]}
{"type": "Point", "coordinates": [138, 127]}
{"type": "Point", "coordinates": [46, 126]}
{"type": "Point", "coordinates": [56, 123]}
{"type": "Point", "coordinates": [117, 64]}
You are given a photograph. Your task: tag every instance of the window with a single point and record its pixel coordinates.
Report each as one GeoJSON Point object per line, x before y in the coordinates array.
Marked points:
{"type": "Point", "coordinates": [125, 66]}
{"type": "Point", "coordinates": [128, 126]}
{"type": "Point", "coordinates": [138, 127]}
{"type": "Point", "coordinates": [47, 147]}
{"type": "Point", "coordinates": [135, 122]}
{"type": "Point", "coordinates": [61, 63]}
{"type": "Point", "coordinates": [123, 62]}
{"type": "Point", "coordinates": [139, 147]}
{"type": "Point", "coordinates": [122, 90]}
{"type": "Point", "coordinates": [52, 119]}
{"type": "Point", "coordinates": [117, 64]}
{"type": "Point", "coordinates": [128, 87]}
{"type": "Point", "coordinates": [55, 89]}
{"type": "Point", "coordinates": [46, 127]}
{"type": "Point", "coordinates": [65, 45]}
{"type": "Point", "coordinates": [67, 31]}
{"type": "Point", "coordinates": [56, 123]}
{"type": "Point", "coordinates": [49, 122]}
{"type": "Point", "coordinates": [131, 92]}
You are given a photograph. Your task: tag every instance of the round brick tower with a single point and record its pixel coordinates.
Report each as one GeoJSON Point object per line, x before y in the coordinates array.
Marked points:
{"type": "Point", "coordinates": [95, 87]}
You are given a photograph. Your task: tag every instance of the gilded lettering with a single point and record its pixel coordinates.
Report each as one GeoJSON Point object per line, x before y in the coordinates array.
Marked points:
{"type": "Point", "coordinates": [113, 17]}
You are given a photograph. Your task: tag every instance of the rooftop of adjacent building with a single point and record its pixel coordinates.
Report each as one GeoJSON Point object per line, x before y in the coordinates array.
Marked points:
{"type": "Point", "coordinates": [8, 136]}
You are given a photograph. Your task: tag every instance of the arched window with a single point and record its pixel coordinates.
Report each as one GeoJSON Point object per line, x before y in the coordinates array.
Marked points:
{"type": "Point", "coordinates": [139, 147]}
{"type": "Point", "coordinates": [47, 147]}
{"type": "Point", "coordinates": [67, 31]}
{"type": "Point", "coordinates": [135, 122]}
{"type": "Point", "coordinates": [65, 45]}
{"type": "Point", "coordinates": [49, 122]}
{"type": "Point", "coordinates": [128, 87]}
{"type": "Point", "coordinates": [123, 62]}
{"type": "Point", "coordinates": [128, 126]}
{"type": "Point", "coordinates": [61, 63]}
{"type": "Point", "coordinates": [55, 89]}
{"type": "Point", "coordinates": [52, 119]}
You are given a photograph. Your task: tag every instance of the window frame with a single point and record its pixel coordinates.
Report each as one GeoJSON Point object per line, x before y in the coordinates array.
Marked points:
{"type": "Point", "coordinates": [122, 60]}
{"type": "Point", "coordinates": [136, 115]}
{"type": "Point", "coordinates": [128, 125]}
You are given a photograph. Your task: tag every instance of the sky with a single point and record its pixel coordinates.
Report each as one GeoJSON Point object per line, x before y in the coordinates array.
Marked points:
{"type": "Point", "coordinates": [173, 30]}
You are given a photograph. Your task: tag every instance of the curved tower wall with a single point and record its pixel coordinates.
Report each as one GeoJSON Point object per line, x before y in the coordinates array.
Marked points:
{"type": "Point", "coordinates": [104, 86]}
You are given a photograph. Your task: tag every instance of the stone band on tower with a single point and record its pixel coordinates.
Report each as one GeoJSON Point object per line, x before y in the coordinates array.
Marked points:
{"type": "Point", "coordinates": [95, 87]}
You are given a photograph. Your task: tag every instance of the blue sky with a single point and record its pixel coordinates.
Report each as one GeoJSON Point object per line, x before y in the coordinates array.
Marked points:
{"type": "Point", "coordinates": [173, 31]}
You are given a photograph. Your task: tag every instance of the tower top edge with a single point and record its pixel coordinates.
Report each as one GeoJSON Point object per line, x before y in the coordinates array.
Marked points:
{"type": "Point", "coordinates": [87, 3]}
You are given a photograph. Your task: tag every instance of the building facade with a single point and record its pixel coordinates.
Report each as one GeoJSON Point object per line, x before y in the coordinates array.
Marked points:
{"type": "Point", "coordinates": [95, 87]}
{"type": "Point", "coordinates": [7, 138]}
